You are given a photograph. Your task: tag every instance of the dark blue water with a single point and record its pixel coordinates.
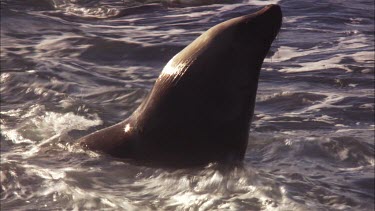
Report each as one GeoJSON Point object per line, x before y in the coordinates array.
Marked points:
{"type": "Point", "coordinates": [71, 67]}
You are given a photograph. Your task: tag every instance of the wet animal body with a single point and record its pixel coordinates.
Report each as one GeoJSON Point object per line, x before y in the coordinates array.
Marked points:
{"type": "Point", "coordinates": [201, 106]}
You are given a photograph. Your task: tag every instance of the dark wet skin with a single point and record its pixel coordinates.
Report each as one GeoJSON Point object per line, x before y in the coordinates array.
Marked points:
{"type": "Point", "coordinates": [201, 106]}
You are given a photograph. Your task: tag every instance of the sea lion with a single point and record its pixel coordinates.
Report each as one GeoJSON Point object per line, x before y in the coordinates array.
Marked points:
{"type": "Point", "coordinates": [200, 108]}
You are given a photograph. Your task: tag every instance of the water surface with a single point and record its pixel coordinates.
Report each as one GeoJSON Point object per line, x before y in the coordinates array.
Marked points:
{"type": "Point", "coordinates": [71, 67]}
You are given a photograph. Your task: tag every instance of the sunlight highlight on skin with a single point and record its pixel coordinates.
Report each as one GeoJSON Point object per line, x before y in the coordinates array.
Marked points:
{"type": "Point", "coordinates": [171, 69]}
{"type": "Point", "coordinates": [127, 128]}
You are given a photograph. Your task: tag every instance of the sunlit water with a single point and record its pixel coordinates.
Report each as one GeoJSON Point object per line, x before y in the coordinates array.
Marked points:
{"type": "Point", "coordinates": [71, 67]}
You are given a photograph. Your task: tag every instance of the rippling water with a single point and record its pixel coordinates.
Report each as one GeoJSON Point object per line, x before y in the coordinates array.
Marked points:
{"type": "Point", "coordinates": [69, 67]}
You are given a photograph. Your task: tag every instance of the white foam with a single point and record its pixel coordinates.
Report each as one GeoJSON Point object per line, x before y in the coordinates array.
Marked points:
{"type": "Point", "coordinates": [94, 12]}
{"type": "Point", "coordinates": [285, 53]}
{"type": "Point", "coordinates": [328, 102]}
{"type": "Point", "coordinates": [261, 3]}
{"type": "Point", "coordinates": [326, 119]}
{"type": "Point", "coordinates": [39, 127]}
{"type": "Point", "coordinates": [4, 77]}
{"type": "Point", "coordinates": [58, 123]}
{"type": "Point", "coordinates": [12, 112]}
{"type": "Point", "coordinates": [14, 136]}
{"type": "Point", "coordinates": [346, 47]}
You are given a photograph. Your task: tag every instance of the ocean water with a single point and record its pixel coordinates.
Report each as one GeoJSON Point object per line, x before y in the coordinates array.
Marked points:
{"type": "Point", "coordinates": [70, 67]}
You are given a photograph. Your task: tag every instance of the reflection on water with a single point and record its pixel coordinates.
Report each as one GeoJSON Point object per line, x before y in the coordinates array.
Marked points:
{"type": "Point", "coordinates": [69, 68]}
